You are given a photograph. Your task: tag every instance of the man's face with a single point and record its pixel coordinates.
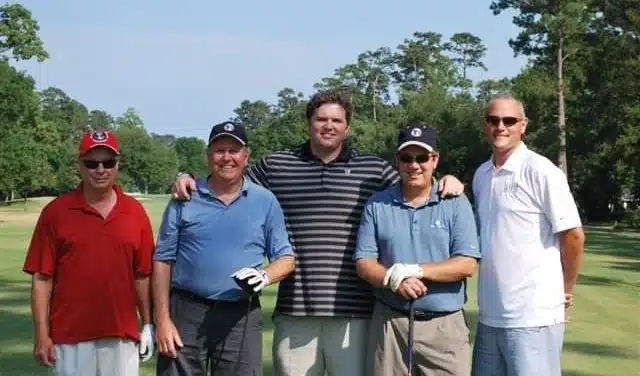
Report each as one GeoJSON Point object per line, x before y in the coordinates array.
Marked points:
{"type": "Point", "coordinates": [99, 175]}
{"type": "Point", "coordinates": [328, 126]}
{"type": "Point", "coordinates": [416, 166]}
{"type": "Point", "coordinates": [505, 124]}
{"type": "Point", "coordinates": [227, 159]}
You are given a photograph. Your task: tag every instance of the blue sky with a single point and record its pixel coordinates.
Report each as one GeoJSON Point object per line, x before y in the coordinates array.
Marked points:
{"type": "Point", "coordinates": [185, 67]}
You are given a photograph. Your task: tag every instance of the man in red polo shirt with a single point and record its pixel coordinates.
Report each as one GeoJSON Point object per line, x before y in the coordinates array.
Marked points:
{"type": "Point", "coordinates": [90, 257]}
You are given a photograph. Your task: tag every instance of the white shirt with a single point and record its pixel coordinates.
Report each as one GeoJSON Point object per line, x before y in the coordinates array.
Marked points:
{"type": "Point", "coordinates": [521, 208]}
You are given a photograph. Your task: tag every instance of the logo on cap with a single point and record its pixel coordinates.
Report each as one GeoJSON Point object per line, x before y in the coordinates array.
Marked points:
{"type": "Point", "coordinates": [416, 132]}
{"type": "Point", "coordinates": [229, 127]}
{"type": "Point", "coordinates": [99, 136]}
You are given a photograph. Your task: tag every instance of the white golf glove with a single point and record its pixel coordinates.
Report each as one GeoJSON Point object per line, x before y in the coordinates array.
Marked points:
{"type": "Point", "coordinates": [147, 342]}
{"type": "Point", "coordinates": [399, 272]}
{"type": "Point", "coordinates": [257, 279]}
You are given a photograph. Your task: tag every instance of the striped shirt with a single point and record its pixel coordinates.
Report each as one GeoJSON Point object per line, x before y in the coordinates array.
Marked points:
{"type": "Point", "coordinates": [323, 203]}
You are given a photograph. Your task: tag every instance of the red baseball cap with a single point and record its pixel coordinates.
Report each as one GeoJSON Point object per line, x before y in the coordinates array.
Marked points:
{"type": "Point", "coordinates": [94, 139]}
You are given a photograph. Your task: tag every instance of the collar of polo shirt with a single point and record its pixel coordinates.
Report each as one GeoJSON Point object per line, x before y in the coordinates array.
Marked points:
{"type": "Point", "coordinates": [344, 156]}
{"type": "Point", "coordinates": [514, 161]}
{"type": "Point", "coordinates": [398, 197]}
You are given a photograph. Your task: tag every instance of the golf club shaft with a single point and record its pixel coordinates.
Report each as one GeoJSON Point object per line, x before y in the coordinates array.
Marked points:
{"type": "Point", "coordinates": [410, 340]}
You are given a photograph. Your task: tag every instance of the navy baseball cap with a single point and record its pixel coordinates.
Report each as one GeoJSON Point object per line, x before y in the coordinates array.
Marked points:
{"type": "Point", "coordinates": [418, 135]}
{"type": "Point", "coordinates": [229, 128]}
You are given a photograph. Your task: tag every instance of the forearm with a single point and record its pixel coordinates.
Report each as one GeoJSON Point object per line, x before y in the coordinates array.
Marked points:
{"type": "Point", "coordinates": [160, 287]}
{"type": "Point", "coordinates": [571, 254]}
{"type": "Point", "coordinates": [451, 270]}
{"type": "Point", "coordinates": [41, 288]}
{"type": "Point", "coordinates": [280, 268]}
{"type": "Point", "coordinates": [143, 295]}
{"type": "Point", "coordinates": [371, 271]}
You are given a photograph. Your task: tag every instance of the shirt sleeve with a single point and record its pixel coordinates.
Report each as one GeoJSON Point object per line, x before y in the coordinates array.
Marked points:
{"type": "Point", "coordinates": [42, 253]}
{"type": "Point", "coordinates": [464, 240]}
{"type": "Point", "coordinates": [144, 255]}
{"type": "Point", "coordinates": [277, 237]}
{"type": "Point", "coordinates": [366, 243]}
{"type": "Point", "coordinates": [557, 201]}
{"type": "Point", "coordinates": [259, 173]}
{"type": "Point", "coordinates": [168, 234]}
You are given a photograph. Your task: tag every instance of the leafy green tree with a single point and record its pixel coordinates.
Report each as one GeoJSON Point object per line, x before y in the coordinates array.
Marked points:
{"type": "Point", "coordinates": [22, 162]}
{"type": "Point", "coordinates": [549, 28]}
{"type": "Point", "coordinates": [468, 52]}
{"type": "Point", "coordinates": [191, 155]}
{"type": "Point", "coordinates": [19, 37]}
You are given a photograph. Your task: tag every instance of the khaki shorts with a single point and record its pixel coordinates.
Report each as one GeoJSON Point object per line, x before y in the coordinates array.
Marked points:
{"type": "Point", "coordinates": [318, 346]}
{"type": "Point", "coordinates": [441, 344]}
{"type": "Point", "coordinates": [105, 357]}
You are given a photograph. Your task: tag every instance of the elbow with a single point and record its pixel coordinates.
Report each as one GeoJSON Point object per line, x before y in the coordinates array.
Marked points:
{"type": "Point", "coordinates": [469, 268]}
{"type": "Point", "coordinates": [290, 264]}
{"type": "Point", "coordinates": [573, 239]}
{"type": "Point", "coordinates": [360, 268]}
{"type": "Point", "coordinates": [580, 236]}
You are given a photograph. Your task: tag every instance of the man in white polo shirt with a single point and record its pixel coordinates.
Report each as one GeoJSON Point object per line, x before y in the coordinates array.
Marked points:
{"type": "Point", "coordinates": [532, 243]}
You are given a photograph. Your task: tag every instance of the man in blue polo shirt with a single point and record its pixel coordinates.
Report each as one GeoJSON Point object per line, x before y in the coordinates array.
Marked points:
{"type": "Point", "coordinates": [204, 321]}
{"type": "Point", "coordinates": [414, 245]}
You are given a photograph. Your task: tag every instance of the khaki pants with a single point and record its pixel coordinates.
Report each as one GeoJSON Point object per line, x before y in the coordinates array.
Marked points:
{"type": "Point", "coordinates": [318, 346]}
{"type": "Point", "coordinates": [441, 345]}
{"type": "Point", "coordinates": [104, 357]}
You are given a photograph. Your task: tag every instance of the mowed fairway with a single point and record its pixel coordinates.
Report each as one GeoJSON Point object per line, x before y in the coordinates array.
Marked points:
{"type": "Point", "coordinates": [603, 337]}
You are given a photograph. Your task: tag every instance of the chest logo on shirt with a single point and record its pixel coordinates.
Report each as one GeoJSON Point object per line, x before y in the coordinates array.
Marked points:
{"type": "Point", "coordinates": [437, 224]}
{"type": "Point", "coordinates": [511, 187]}
{"type": "Point", "coordinates": [347, 171]}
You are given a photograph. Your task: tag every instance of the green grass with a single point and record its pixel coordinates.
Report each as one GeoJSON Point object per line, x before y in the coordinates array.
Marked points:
{"type": "Point", "coordinates": [602, 339]}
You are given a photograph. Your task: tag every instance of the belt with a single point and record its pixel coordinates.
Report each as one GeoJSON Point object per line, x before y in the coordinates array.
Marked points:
{"type": "Point", "coordinates": [421, 315]}
{"type": "Point", "coordinates": [201, 299]}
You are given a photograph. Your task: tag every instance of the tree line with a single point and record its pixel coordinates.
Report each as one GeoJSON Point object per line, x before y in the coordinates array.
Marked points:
{"type": "Point", "coordinates": [580, 87]}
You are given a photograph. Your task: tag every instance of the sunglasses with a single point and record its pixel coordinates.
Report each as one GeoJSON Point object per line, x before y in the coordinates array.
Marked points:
{"type": "Point", "coordinates": [409, 158]}
{"type": "Point", "coordinates": [508, 121]}
{"type": "Point", "coordinates": [92, 165]}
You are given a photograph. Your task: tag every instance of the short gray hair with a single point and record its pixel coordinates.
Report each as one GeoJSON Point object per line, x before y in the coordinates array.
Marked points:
{"type": "Point", "coordinates": [507, 95]}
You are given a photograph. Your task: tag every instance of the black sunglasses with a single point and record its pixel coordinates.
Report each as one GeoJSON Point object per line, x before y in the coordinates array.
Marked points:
{"type": "Point", "coordinates": [92, 165]}
{"type": "Point", "coordinates": [508, 121]}
{"type": "Point", "coordinates": [409, 158]}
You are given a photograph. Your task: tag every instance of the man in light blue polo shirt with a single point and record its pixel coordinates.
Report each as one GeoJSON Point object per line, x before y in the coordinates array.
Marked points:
{"type": "Point", "coordinates": [205, 322]}
{"type": "Point", "coordinates": [414, 245]}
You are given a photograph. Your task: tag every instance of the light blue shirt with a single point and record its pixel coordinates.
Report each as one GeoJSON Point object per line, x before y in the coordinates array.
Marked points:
{"type": "Point", "coordinates": [392, 231]}
{"type": "Point", "coordinates": [208, 240]}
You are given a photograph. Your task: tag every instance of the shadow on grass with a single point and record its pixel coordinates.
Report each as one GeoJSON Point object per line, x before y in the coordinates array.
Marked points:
{"type": "Point", "coordinates": [628, 266]}
{"type": "Point", "coordinates": [577, 373]}
{"type": "Point", "coordinates": [613, 243]}
{"type": "Point", "coordinates": [597, 349]}
{"type": "Point", "coordinates": [16, 330]}
{"type": "Point", "coordinates": [592, 280]}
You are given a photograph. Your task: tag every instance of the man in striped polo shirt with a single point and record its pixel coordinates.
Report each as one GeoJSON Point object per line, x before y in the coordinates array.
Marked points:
{"type": "Point", "coordinates": [323, 308]}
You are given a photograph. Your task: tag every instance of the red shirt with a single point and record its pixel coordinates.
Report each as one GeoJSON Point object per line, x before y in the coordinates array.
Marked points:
{"type": "Point", "coordinates": [94, 263]}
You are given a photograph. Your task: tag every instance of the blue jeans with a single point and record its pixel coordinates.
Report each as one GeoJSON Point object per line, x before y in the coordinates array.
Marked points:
{"type": "Point", "coordinates": [518, 351]}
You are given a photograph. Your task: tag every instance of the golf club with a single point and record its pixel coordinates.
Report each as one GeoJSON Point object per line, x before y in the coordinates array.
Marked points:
{"type": "Point", "coordinates": [410, 340]}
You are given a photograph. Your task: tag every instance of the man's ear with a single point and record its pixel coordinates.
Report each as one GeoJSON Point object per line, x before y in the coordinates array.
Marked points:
{"type": "Point", "coordinates": [525, 122]}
